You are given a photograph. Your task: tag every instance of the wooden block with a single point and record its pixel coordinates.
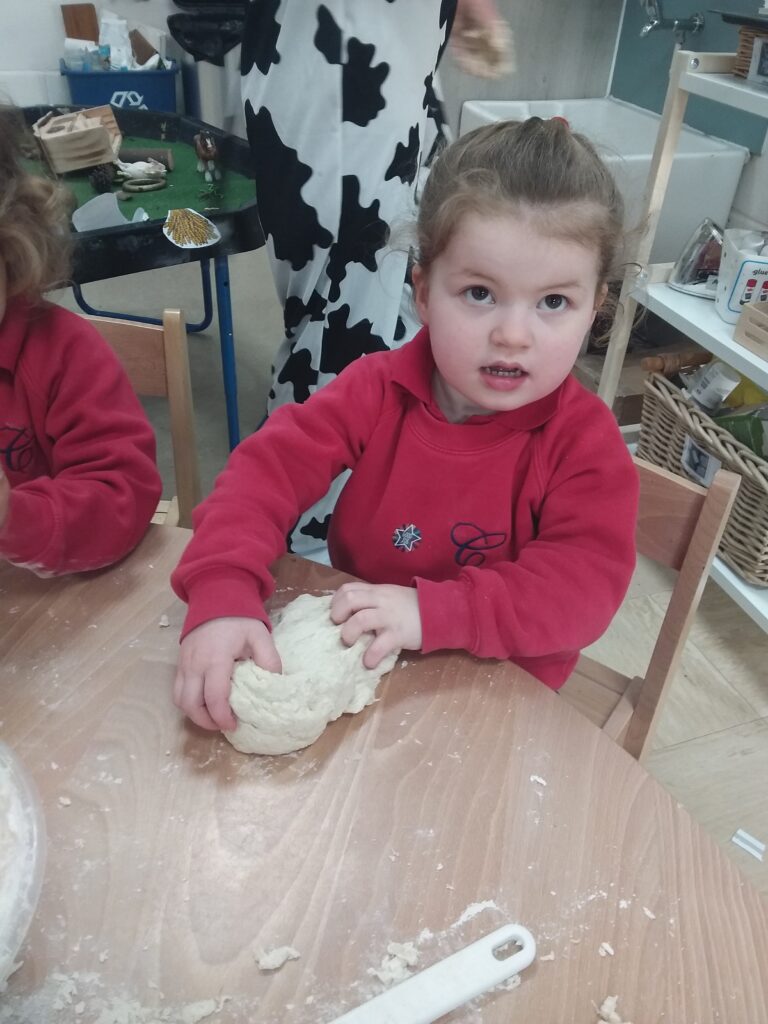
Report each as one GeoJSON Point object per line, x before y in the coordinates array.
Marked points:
{"type": "Point", "coordinates": [142, 49]}
{"type": "Point", "coordinates": [752, 328]}
{"type": "Point", "coordinates": [80, 21]}
{"type": "Point", "coordinates": [81, 139]}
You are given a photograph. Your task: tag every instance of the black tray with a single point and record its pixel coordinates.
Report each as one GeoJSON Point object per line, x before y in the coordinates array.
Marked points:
{"type": "Point", "coordinates": [130, 248]}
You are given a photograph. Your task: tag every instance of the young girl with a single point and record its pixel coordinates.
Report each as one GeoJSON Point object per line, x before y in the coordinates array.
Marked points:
{"type": "Point", "coordinates": [78, 482]}
{"type": "Point", "coordinates": [492, 500]}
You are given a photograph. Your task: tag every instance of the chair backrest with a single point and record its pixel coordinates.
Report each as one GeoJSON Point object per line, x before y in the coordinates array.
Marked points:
{"type": "Point", "coordinates": [156, 361]}
{"type": "Point", "coordinates": [679, 525]}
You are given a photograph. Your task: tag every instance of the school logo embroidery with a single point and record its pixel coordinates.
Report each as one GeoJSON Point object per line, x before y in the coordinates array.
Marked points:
{"type": "Point", "coordinates": [406, 537]}
{"type": "Point", "coordinates": [471, 542]}
{"type": "Point", "coordinates": [16, 446]}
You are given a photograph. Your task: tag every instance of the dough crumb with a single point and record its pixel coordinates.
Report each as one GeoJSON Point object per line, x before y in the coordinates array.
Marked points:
{"type": "Point", "coordinates": [509, 984]}
{"type": "Point", "coordinates": [538, 778]}
{"type": "Point", "coordinates": [163, 621]}
{"type": "Point", "coordinates": [193, 1013]}
{"type": "Point", "coordinates": [273, 959]}
{"type": "Point", "coordinates": [649, 914]}
{"type": "Point", "coordinates": [549, 956]}
{"type": "Point", "coordinates": [394, 966]}
{"type": "Point", "coordinates": [605, 949]}
{"type": "Point", "coordinates": [64, 801]}
{"type": "Point", "coordinates": [607, 1011]}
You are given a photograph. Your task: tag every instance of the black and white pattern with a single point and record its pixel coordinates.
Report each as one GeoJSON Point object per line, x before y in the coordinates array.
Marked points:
{"type": "Point", "coordinates": [342, 116]}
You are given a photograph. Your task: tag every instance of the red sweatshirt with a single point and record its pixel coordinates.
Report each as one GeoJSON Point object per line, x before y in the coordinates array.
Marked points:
{"type": "Point", "coordinates": [517, 529]}
{"type": "Point", "coordinates": [75, 445]}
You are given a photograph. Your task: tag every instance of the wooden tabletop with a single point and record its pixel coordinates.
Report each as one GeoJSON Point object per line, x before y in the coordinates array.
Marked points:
{"type": "Point", "coordinates": [469, 795]}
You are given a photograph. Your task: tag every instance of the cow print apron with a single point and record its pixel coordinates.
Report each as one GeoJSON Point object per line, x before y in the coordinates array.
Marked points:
{"type": "Point", "coordinates": [343, 118]}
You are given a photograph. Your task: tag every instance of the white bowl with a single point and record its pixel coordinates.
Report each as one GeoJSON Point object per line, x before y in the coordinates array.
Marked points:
{"type": "Point", "coordinates": [22, 858]}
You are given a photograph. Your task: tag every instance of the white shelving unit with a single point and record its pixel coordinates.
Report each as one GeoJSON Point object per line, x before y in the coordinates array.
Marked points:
{"type": "Point", "coordinates": [699, 320]}
{"type": "Point", "coordinates": [708, 75]}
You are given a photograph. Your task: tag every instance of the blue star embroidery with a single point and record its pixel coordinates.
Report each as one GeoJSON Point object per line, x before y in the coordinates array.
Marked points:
{"type": "Point", "coordinates": [406, 537]}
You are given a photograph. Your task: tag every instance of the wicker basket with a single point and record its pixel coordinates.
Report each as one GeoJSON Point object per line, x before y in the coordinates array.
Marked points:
{"type": "Point", "coordinates": [668, 417]}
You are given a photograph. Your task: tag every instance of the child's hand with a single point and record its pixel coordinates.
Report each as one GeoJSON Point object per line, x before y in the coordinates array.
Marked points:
{"type": "Point", "coordinates": [391, 612]}
{"type": "Point", "coordinates": [5, 498]}
{"type": "Point", "coordinates": [207, 657]}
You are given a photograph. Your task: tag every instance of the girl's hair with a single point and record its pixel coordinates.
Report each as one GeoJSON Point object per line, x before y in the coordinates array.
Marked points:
{"type": "Point", "coordinates": [531, 167]}
{"type": "Point", "coordinates": [34, 218]}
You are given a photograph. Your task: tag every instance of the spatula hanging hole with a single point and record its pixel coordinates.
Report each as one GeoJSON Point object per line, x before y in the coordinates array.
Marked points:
{"type": "Point", "coordinates": [507, 949]}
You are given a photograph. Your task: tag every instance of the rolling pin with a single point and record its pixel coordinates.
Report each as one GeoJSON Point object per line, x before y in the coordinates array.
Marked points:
{"type": "Point", "coordinates": [669, 363]}
{"type": "Point", "coordinates": [130, 154]}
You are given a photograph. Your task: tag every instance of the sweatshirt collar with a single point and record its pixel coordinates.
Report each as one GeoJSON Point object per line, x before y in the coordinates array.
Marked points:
{"type": "Point", "coordinates": [413, 371]}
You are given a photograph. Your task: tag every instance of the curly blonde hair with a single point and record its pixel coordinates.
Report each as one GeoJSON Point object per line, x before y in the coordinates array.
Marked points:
{"type": "Point", "coordinates": [34, 218]}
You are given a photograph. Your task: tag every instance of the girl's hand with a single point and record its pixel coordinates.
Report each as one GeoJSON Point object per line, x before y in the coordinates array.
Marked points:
{"type": "Point", "coordinates": [206, 661]}
{"type": "Point", "coordinates": [5, 498]}
{"type": "Point", "coordinates": [391, 612]}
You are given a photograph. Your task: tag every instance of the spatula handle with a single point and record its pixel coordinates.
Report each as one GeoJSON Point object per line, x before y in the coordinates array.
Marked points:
{"type": "Point", "coordinates": [449, 983]}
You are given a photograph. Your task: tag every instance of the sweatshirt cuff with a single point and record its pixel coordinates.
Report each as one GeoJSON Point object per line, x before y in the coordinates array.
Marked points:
{"type": "Point", "coordinates": [447, 621]}
{"type": "Point", "coordinates": [29, 532]}
{"type": "Point", "coordinates": [222, 594]}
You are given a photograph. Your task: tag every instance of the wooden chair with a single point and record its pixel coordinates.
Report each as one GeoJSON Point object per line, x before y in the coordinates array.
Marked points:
{"type": "Point", "coordinates": [679, 525]}
{"type": "Point", "coordinates": [156, 360]}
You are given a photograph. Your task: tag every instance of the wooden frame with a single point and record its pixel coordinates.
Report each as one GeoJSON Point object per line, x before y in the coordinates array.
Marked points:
{"type": "Point", "coordinates": [156, 361]}
{"type": "Point", "coordinates": [679, 525]}
{"type": "Point", "coordinates": [658, 179]}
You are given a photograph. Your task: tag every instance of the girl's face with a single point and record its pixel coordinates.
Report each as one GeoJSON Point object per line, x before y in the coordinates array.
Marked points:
{"type": "Point", "coordinates": [507, 308]}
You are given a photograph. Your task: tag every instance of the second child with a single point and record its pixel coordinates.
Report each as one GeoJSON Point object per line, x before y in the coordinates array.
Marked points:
{"type": "Point", "coordinates": [78, 481]}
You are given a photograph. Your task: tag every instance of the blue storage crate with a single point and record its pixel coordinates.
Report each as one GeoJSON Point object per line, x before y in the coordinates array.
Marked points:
{"type": "Point", "coordinates": [132, 90]}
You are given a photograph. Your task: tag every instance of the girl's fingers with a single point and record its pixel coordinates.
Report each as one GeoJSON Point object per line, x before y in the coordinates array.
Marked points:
{"type": "Point", "coordinates": [348, 599]}
{"type": "Point", "coordinates": [216, 694]}
{"type": "Point", "coordinates": [188, 697]}
{"type": "Point", "coordinates": [366, 621]}
{"type": "Point", "coordinates": [378, 648]}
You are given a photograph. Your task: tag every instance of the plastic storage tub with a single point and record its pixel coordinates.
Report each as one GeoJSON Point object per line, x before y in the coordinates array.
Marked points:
{"type": "Point", "coordinates": [139, 90]}
{"type": "Point", "coordinates": [22, 858]}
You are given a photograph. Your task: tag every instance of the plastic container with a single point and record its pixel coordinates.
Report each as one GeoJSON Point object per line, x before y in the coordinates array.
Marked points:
{"type": "Point", "coordinates": [22, 858]}
{"type": "Point", "coordinates": [136, 90]}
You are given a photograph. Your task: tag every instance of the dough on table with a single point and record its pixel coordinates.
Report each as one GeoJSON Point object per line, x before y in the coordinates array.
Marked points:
{"type": "Point", "coordinates": [322, 679]}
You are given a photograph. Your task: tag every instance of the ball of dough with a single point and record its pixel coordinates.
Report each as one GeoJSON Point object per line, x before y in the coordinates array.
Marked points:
{"type": "Point", "coordinates": [322, 678]}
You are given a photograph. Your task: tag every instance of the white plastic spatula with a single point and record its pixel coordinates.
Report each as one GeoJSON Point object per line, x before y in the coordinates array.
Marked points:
{"type": "Point", "coordinates": [447, 984]}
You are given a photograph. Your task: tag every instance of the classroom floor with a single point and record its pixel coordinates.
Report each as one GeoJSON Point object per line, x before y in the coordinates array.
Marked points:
{"type": "Point", "coordinates": [711, 750]}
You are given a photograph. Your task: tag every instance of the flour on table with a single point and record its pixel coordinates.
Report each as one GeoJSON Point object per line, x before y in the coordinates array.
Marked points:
{"type": "Point", "coordinates": [322, 679]}
{"type": "Point", "coordinates": [273, 959]}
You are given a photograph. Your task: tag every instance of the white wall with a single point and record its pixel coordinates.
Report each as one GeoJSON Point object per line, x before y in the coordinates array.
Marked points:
{"type": "Point", "coordinates": [545, 68]}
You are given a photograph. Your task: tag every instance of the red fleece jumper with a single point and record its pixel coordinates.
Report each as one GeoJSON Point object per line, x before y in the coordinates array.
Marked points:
{"type": "Point", "coordinates": [516, 529]}
{"type": "Point", "coordinates": [75, 445]}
